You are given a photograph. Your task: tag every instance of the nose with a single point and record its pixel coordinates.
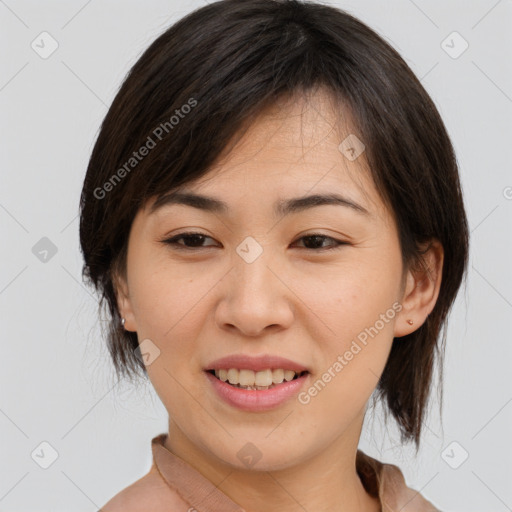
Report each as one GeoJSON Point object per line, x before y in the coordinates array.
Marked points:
{"type": "Point", "coordinates": [256, 298]}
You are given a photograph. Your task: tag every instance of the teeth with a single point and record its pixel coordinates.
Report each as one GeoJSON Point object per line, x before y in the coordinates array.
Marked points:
{"type": "Point", "coordinates": [263, 378]}
{"type": "Point", "coordinates": [255, 380]}
{"type": "Point", "coordinates": [277, 376]}
{"type": "Point", "coordinates": [288, 375]}
{"type": "Point", "coordinates": [233, 376]}
{"type": "Point", "coordinates": [246, 378]}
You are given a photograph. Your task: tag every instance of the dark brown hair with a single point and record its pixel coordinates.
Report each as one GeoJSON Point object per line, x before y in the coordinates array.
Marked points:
{"type": "Point", "coordinates": [208, 76]}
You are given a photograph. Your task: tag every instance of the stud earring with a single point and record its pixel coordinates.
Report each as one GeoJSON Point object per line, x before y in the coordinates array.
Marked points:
{"type": "Point", "coordinates": [122, 321]}
{"type": "Point", "coordinates": [410, 322]}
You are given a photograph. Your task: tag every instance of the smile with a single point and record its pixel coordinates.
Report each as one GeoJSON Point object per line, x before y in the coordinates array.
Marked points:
{"type": "Point", "coordinates": [260, 380]}
{"type": "Point", "coordinates": [254, 398]}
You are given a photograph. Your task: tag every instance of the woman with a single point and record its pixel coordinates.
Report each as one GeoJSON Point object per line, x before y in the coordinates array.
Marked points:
{"type": "Point", "coordinates": [273, 215]}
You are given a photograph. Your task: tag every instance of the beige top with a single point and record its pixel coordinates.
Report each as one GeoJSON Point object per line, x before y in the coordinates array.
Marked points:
{"type": "Point", "coordinates": [172, 485]}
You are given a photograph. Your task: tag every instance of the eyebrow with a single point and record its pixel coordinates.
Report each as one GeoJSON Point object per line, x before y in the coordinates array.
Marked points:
{"type": "Point", "coordinates": [281, 207]}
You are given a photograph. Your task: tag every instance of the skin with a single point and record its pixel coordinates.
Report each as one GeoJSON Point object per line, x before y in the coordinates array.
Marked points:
{"type": "Point", "coordinates": [304, 304]}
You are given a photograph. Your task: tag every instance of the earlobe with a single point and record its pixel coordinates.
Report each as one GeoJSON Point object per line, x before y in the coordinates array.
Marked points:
{"type": "Point", "coordinates": [124, 304]}
{"type": "Point", "coordinates": [421, 291]}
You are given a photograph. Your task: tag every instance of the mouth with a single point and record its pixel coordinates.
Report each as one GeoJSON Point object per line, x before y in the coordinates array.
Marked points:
{"type": "Point", "coordinates": [256, 380]}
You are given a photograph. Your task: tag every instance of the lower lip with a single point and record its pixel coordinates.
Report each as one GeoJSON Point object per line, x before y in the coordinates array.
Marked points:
{"type": "Point", "coordinates": [254, 400]}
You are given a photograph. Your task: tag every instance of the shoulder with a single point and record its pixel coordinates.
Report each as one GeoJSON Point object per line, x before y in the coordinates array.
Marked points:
{"type": "Point", "coordinates": [387, 481]}
{"type": "Point", "coordinates": [148, 494]}
{"type": "Point", "coordinates": [396, 491]}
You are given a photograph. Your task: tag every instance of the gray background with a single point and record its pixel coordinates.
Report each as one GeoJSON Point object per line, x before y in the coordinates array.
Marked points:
{"type": "Point", "coordinates": [57, 383]}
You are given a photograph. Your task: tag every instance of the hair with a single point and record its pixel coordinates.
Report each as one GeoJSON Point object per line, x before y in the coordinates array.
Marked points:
{"type": "Point", "coordinates": [209, 75]}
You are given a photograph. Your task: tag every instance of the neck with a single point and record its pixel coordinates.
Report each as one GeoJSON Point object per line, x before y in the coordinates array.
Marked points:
{"type": "Point", "coordinates": [328, 481]}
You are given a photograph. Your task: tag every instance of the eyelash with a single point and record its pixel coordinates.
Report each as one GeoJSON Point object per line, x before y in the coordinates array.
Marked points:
{"type": "Point", "coordinates": [173, 241]}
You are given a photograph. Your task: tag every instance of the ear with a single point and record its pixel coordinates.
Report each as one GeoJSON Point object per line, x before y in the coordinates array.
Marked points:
{"type": "Point", "coordinates": [421, 289]}
{"type": "Point", "coordinates": [124, 304]}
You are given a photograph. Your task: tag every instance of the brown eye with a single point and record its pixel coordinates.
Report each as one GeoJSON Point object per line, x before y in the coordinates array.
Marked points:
{"type": "Point", "coordinates": [195, 240]}
{"type": "Point", "coordinates": [315, 241]}
{"type": "Point", "coordinates": [191, 240]}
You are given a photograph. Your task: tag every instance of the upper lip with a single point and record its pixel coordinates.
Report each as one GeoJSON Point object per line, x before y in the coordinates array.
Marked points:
{"type": "Point", "coordinates": [255, 363]}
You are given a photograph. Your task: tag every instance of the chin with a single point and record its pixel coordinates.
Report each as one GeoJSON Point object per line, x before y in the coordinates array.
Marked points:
{"type": "Point", "coordinates": [260, 453]}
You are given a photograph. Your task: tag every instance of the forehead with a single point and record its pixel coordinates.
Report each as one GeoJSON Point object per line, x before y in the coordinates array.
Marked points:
{"type": "Point", "coordinates": [295, 147]}
{"type": "Point", "coordinates": [295, 129]}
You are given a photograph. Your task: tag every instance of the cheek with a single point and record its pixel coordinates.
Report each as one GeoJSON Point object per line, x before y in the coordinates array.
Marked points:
{"type": "Point", "coordinates": [354, 352]}
{"type": "Point", "coordinates": [352, 298]}
{"type": "Point", "coordinates": [165, 297]}
{"type": "Point", "coordinates": [171, 306]}
{"type": "Point", "coordinates": [357, 308]}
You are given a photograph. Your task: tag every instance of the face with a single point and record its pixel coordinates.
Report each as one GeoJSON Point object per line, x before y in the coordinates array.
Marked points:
{"type": "Point", "coordinates": [319, 285]}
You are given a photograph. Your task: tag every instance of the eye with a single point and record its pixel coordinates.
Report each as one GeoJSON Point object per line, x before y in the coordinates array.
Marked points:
{"type": "Point", "coordinates": [316, 239]}
{"type": "Point", "coordinates": [194, 240]}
